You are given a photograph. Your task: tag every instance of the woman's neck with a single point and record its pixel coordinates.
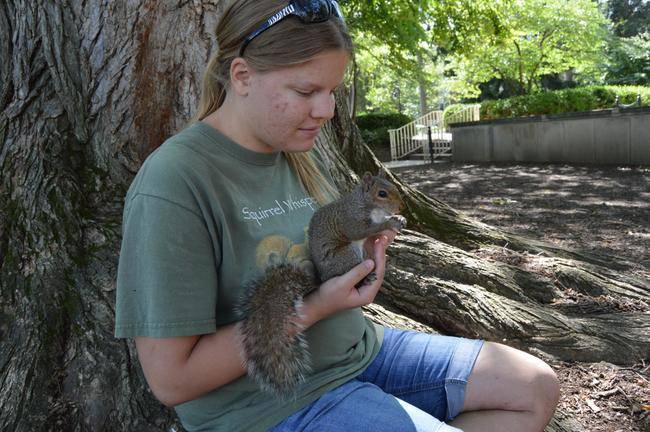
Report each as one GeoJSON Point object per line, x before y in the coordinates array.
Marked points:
{"type": "Point", "coordinates": [228, 121]}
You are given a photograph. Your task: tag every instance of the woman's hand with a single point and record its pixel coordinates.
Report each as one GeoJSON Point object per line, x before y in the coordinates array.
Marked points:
{"type": "Point", "coordinates": [340, 293]}
{"type": "Point", "coordinates": [370, 241]}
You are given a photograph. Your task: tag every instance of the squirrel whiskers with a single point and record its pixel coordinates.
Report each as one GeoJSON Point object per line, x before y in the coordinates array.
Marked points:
{"type": "Point", "coordinates": [275, 352]}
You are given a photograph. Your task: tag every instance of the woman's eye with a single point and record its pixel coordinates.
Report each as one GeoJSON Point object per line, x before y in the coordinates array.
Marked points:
{"type": "Point", "coordinates": [304, 93]}
{"type": "Point", "coordinates": [383, 194]}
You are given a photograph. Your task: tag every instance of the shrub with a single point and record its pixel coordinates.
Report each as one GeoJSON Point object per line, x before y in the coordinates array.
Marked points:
{"type": "Point", "coordinates": [562, 101]}
{"type": "Point", "coordinates": [453, 109]}
{"type": "Point", "coordinates": [374, 130]}
{"type": "Point", "coordinates": [374, 127]}
{"type": "Point", "coordinates": [378, 120]}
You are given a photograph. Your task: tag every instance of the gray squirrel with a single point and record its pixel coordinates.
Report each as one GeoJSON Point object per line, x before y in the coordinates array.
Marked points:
{"type": "Point", "coordinates": [275, 352]}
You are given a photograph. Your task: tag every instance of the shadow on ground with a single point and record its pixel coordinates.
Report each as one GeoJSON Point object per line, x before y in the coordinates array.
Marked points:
{"type": "Point", "coordinates": [594, 208]}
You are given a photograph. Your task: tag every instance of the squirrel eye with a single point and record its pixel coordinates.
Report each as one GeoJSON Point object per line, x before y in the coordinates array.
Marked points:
{"type": "Point", "coordinates": [383, 194]}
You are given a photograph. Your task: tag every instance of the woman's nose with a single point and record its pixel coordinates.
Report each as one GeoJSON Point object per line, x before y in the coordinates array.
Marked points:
{"type": "Point", "coordinates": [323, 107]}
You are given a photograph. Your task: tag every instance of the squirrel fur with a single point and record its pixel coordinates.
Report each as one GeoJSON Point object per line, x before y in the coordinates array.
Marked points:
{"type": "Point", "coordinates": [274, 350]}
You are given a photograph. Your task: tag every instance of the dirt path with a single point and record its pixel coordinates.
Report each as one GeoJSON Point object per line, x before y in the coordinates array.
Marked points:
{"type": "Point", "coordinates": [598, 209]}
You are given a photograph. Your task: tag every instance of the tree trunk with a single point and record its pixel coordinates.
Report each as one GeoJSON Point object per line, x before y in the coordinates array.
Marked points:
{"type": "Point", "coordinates": [87, 90]}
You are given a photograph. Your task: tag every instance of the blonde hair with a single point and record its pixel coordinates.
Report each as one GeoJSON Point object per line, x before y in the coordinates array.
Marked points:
{"type": "Point", "coordinates": [288, 43]}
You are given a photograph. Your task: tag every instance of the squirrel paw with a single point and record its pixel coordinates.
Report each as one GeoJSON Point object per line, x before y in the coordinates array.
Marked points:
{"type": "Point", "coordinates": [398, 222]}
{"type": "Point", "coordinates": [369, 279]}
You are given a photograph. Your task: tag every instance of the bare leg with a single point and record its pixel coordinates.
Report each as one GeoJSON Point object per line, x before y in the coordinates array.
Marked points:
{"type": "Point", "coordinates": [508, 391]}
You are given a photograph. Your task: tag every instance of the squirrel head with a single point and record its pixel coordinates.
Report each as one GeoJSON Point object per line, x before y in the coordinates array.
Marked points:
{"type": "Point", "coordinates": [382, 192]}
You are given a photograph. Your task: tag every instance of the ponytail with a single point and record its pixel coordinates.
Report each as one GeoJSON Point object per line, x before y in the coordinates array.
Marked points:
{"type": "Point", "coordinates": [311, 177]}
{"type": "Point", "coordinates": [213, 89]}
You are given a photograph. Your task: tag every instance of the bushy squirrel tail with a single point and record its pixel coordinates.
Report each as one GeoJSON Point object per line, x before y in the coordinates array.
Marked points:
{"type": "Point", "coordinates": [276, 353]}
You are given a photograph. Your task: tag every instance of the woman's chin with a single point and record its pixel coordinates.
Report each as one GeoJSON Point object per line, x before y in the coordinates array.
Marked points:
{"type": "Point", "coordinates": [300, 146]}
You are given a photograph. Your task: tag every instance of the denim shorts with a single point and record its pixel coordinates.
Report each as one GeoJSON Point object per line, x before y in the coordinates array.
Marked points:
{"type": "Point", "coordinates": [415, 384]}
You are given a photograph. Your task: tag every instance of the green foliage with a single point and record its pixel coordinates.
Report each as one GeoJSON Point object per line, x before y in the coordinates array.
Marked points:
{"type": "Point", "coordinates": [398, 43]}
{"type": "Point", "coordinates": [378, 120]}
{"type": "Point", "coordinates": [448, 48]}
{"type": "Point", "coordinates": [630, 17]}
{"type": "Point", "coordinates": [374, 130]}
{"type": "Point", "coordinates": [629, 60]}
{"type": "Point", "coordinates": [381, 87]}
{"type": "Point", "coordinates": [562, 101]}
{"type": "Point", "coordinates": [545, 37]}
{"type": "Point", "coordinates": [451, 110]}
{"type": "Point", "coordinates": [407, 27]}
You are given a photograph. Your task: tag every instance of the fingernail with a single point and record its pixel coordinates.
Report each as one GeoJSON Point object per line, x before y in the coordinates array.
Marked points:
{"type": "Point", "coordinates": [369, 264]}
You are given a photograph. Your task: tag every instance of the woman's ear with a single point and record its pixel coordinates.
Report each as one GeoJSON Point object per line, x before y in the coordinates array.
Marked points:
{"type": "Point", "coordinates": [240, 76]}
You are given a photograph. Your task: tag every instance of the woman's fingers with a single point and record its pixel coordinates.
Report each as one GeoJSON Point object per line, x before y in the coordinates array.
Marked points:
{"type": "Point", "coordinates": [380, 256]}
{"type": "Point", "coordinates": [368, 292]}
{"type": "Point", "coordinates": [341, 293]}
{"type": "Point", "coordinates": [370, 242]}
{"type": "Point", "coordinates": [357, 273]}
{"type": "Point", "coordinates": [390, 235]}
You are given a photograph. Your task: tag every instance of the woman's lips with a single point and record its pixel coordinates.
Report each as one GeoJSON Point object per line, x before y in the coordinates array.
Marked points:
{"type": "Point", "coordinates": [310, 131]}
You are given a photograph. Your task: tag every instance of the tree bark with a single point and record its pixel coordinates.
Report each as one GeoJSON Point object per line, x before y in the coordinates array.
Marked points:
{"type": "Point", "coordinates": [87, 90]}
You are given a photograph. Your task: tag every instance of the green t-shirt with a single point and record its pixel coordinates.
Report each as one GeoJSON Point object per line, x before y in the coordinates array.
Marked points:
{"type": "Point", "coordinates": [202, 217]}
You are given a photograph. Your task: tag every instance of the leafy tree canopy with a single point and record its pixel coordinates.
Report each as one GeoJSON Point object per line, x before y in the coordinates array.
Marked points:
{"type": "Point", "coordinates": [544, 37]}
{"type": "Point", "coordinates": [408, 28]}
{"type": "Point", "coordinates": [628, 61]}
{"type": "Point", "coordinates": [630, 17]}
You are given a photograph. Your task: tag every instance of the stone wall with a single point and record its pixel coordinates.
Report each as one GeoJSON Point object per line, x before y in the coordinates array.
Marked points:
{"type": "Point", "coordinates": [609, 137]}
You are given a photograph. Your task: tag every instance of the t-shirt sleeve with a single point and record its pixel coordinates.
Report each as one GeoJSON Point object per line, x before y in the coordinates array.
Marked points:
{"type": "Point", "coordinates": [167, 272]}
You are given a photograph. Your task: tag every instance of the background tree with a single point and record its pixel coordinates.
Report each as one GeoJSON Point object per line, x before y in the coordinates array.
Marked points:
{"type": "Point", "coordinates": [379, 83]}
{"type": "Point", "coordinates": [87, 90]}
{"type": "Point", "coordinates": [543, 37]}
{"type": "Point", "coordinates": [398, 41]}
{"type": "Point", "coordinates": [628, 60]}
{"type": "Point", "coordinates": [628, 46]}
{"type": "Point", "coordinates": [630, 17]}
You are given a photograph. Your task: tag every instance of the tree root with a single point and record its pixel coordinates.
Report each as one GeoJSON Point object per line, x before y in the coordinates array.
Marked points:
{"type": "Point", "coordinates": [458, 293]}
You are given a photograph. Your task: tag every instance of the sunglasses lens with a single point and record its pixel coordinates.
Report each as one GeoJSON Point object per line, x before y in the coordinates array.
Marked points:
{"type": "Point", "coordinates": [312, 11]}
{"type": "Point", "coordinates": [308, 11]}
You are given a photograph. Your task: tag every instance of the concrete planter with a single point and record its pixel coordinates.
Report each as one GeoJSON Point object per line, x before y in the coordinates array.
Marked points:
{"type": "Point", "coordinates": [608, 137]}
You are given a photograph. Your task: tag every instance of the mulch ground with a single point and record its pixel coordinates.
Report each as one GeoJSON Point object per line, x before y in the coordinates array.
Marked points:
{"type": "Point", "coordinates": [605, 210]}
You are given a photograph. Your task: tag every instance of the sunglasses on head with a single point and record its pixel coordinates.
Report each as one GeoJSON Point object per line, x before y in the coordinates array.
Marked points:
{"type": "Point", "coordinates": [308, 11]}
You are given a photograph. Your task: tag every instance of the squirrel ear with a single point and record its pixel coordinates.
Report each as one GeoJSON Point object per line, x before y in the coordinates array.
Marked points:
{"type": "Point", "coordinates": [367, 181]}
{"type": "Point", "coordinates": [381, 173]}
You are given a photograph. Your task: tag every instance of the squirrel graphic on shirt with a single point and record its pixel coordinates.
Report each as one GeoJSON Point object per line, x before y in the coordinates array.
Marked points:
{"type": "Point", "coordinates": [275, 352]}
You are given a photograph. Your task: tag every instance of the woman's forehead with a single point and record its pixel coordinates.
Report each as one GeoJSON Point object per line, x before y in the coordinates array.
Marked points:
{"type": "Point", "coordinates": [326, 69]}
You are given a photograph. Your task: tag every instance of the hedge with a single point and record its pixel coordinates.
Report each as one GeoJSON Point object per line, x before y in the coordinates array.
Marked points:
{"type": "Point", "coordinates": [563, 101]}
{"type": "Point", "coordinates": [374, 127]}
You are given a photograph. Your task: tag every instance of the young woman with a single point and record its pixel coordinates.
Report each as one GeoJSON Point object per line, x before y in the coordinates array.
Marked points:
{"type": "Point", "coordinates": [233, 193]}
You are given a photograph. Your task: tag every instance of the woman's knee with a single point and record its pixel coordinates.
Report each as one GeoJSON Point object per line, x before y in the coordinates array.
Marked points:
{"type": "Point", "coordinates": [547, 390]}
{"type": "Point", "coordinates": [509, 379]}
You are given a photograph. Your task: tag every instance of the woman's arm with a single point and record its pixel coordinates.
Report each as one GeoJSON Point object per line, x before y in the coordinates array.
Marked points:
{"type": "Point", "coordinates": [179, 369]}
